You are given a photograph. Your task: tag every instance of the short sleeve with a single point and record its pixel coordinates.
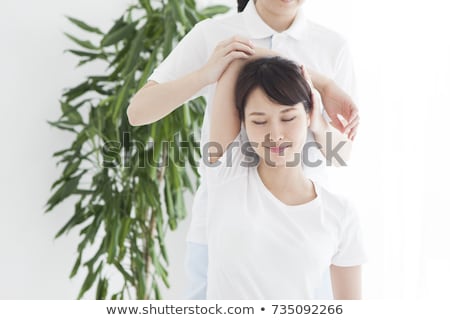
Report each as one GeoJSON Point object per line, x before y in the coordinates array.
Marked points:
{"type": "Point", "coordinates": [350, 250]}
{"type": "Point", "coordinates": [234, 162]}
{"type": "Point", "coordinates": [344, 73]}
{"type": "Point", "coordinates": [189, 55]}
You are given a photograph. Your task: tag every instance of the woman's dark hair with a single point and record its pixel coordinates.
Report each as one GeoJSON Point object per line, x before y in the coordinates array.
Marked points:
{"type": "Point", "coordinates": [241, 5]}
{"type": "Point", "coordinates": [279, 78]}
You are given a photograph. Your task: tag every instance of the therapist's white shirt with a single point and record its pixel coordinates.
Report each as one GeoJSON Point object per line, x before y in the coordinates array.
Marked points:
{"type": "Point", "coordinates": [305, 42]}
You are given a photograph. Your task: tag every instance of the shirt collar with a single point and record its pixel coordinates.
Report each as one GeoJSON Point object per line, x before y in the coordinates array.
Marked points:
{"type": "Point", "coordinates": [258, 29]}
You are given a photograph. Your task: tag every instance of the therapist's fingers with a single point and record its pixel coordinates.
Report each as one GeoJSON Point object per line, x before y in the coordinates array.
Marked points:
{"type": "Point", "coordinates": [338, 121]}
{"type": "Point", "coordinates": [353, 132]}
{"type": "Point", "coordinates": [352, 124]}
{"type": "Point", "coordinates": [238, 39]}
{"type": "Point", "coordinates": [354, 113]}
{"type": "Point", "coordinates": [233, 55]}
{"type": "Point", "coordinates": [237, 46]}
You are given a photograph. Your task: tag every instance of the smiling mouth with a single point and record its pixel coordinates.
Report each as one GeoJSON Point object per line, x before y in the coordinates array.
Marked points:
{"type": "Point", "coordinates": [279, 149]}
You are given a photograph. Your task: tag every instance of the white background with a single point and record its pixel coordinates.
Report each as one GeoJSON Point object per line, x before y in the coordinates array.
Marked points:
{"type": "Point", "coordinates": [399, 173]}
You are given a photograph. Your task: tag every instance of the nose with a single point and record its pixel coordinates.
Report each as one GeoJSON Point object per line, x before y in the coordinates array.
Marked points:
{"type": "Point", "coordinates": [276, 133]}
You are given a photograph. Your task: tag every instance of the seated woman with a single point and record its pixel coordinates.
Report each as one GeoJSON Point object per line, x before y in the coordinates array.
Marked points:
{"type": "Point", "coordinates": [272, 232]}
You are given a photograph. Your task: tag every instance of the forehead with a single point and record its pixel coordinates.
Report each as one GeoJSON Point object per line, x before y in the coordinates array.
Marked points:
{"type": "Point", "coordinates": [258, 102]}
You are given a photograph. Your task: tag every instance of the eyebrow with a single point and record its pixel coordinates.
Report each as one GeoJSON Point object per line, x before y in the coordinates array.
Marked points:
{"type": "Point", "coordinates": [287, 109]}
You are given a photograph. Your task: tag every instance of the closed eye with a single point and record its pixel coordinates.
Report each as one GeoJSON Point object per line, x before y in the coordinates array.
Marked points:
{"type": "Point", "coordinates": [286, 120]}
{"type": "Point", "coordinates": [259, 122]}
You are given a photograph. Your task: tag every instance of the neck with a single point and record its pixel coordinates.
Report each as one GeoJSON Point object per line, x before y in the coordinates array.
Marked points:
{"type": "Point", "coordinates": [284, 180]}
{"type": "Point", "coordinates": [278, 22]}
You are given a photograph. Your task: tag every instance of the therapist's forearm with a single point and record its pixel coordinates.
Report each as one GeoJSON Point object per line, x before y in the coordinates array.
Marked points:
{"type": "Point", "coordinates": [319, 81]}
{"type": "Point", "coordinates": [156, 100]}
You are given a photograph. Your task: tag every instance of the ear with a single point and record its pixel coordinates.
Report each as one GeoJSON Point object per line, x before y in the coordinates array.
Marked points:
{"type": "Point", "coordinates": [308, 119]}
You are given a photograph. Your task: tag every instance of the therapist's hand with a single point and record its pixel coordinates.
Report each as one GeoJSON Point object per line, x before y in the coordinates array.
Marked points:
{"type": "Point", "coordinates": [226, 52]}
{"type": "Point", "coordinates": [317, 122]}
{"type": "Point", "coordinates": [337, 102]}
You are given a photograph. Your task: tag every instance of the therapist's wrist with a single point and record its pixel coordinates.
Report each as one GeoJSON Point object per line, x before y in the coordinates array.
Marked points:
{"type": "Point", "coordinates": [204, 76]}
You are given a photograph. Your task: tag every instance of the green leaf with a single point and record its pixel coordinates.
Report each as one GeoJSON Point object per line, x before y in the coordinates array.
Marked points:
{"type": "Point", "coordinates": [179, 11]}
{"type": "Point", "coordinates": [125, 274]}
{"type": "Point", "coordinates": [146, 5]}
{"type": "Point", "coordinates": [151, 192]}
{"type": "Point", "coordinates": [71, 114]}
{"type": "Point", "coordinates": [61, 152]}
{"type": "Point", "coordinates": [77, 91]}
{"type": "Point", "coordinates": [83, 43]}
{"type": "Point", "coordinates": [61, 125]}
{"type": "Point", "coordinates": [193, 16]}
{"type": "Point", "coordinates": [76, 266]}
{"type": "Point", "coordinates": [173, 223]}
{"type": "Point", "coordinates": [66, 190]}
{"type": "Point", "coordinates": [102, 289]}
{"type": "Point", "coordinates": [191, 4]}
{"type": "Point", "coordinates": [169, 35]}
{"type": "Point", "coordinates": [89, 280]}
{"type": "Point", "coordinates": [165, 279]}
{"type": "Point", "coordinates": [91, 55]}
{"type": "Point", "coordinates": [121, 33]}
{"type": "Point", "coordinates": [214, 10]}
{"type": "Point", "coordinates": [133, 54]}
{"type": "Point", "coordinates": [82, 62]}
{"type": "Point", "coordinates": [84, 26]}
{"type": "Point", "coordinates": [141, 284]}
{"type": "Point", "coordinates": [180, 208]}
{"type": "Point", "coordinates": [170, 204]}
{"type": "Point", "coordinates": [161, 271]}
{"type": "Point", "coordinates": [175, 176]}
{"type": "Point", "coordinates": [187, 181]}
{"type": "Point", "coordinates": [156, 291]}
{"type": "Point", "coordinates": [71, 168]}
{"type": "Point", "coordinates": [162, 247]}
{"type": "Point", "coordinates": [149, 67]}
{"type": "Point", "coordinates": [114, 233]}
{"type": "Point", "coordinates": [117, 25]}
{"type": "Point", "coordinates": [122, 99]}
{"type": "Point", "coordinates": [92, 229]}
{"type": "Point", "coordinates": [100, 251]}
{"type": "Point", "coordinates": [120, 60]}
{"type": "Point", "coordinates": [79, 217]}
{"type": "Point", "coordinates": [124, 231]}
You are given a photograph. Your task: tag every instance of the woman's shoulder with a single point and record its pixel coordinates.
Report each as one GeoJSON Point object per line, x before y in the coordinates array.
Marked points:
{"type": "Point", "coordinates": [232, 165]}
{"type": "Point", "coordinates": [334, 202]}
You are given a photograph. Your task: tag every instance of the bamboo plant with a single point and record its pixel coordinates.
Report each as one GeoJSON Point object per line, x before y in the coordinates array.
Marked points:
{"type": "Point", "coordinates": [128, 182]}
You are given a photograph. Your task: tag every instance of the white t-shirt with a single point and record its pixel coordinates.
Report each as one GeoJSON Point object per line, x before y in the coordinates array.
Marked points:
{"type": "Point", "coordinates": [261, 248]}
{"type": "Point", "coordinates": [305, 42]}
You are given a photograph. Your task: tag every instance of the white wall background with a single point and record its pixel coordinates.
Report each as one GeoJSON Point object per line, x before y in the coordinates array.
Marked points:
{"type": "Point", "coordinates": [399, 175]}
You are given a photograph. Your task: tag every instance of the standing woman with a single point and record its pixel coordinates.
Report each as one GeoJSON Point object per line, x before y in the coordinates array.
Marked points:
{"type": "Point", "coordinates": [199, 60]}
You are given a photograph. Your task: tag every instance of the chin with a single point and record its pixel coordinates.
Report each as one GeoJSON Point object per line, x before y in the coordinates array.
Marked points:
{"type": "Point", "coordinates": [276, 161]}
{"type": "Point", "coordinates": [291, 2]}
